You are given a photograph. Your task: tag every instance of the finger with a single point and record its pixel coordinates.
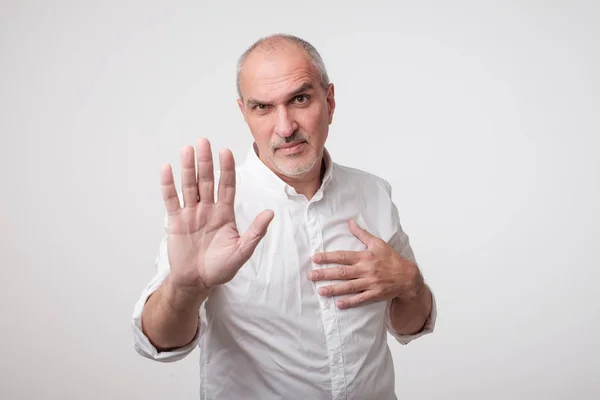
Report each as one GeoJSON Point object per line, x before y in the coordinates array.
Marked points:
{"type": "Point", "coordinates": [328, 274]}
{"type": "Point", "coordinates": [206, 177]}
{"type": "Point", "coordinates": [350, 287]}
{"type": "Point", "coordinates": [367, 296]}
{"type": "Point", "coordinates": [254, 234]}
{"type": "Point", "coordinates": [362, 234]}
{"type": "Point", "coordinates": [226, 191]}
{"type": "Point", "coordinates": [169, 192]}
{"type": "Point", "coordinates": [189, 186]}
{"type": "Point", "coordinates": [337, 257]}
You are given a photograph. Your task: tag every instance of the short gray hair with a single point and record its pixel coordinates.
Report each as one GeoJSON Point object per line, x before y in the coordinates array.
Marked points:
{"type": "Point", "coordinates": [310, 50]}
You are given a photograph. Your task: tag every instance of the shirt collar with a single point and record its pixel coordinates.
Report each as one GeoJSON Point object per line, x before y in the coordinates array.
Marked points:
{"type": "Point", "coordinates": [267, 179]}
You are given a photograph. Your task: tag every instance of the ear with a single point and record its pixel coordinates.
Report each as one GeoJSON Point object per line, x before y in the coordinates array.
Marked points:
{"type": "Point", "coordinates": [242, 108]}
{"type": "Point", "coordinates": [330, 101]}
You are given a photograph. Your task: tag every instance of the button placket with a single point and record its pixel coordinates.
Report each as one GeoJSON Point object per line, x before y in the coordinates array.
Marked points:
{"type": "Point", "coordinates": [328, 311]}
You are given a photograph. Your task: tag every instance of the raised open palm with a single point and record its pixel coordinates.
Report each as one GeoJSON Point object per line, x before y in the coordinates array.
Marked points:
{"type": "Point", "coordinates": [204, 246]}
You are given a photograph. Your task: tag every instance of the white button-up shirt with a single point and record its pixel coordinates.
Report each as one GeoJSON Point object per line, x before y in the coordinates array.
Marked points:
{"type": "Point", "coordinates": [268, 334]}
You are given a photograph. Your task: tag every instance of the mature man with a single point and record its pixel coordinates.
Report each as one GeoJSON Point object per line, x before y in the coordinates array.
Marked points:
{"type": "Point", "coordinates": [289, 282]}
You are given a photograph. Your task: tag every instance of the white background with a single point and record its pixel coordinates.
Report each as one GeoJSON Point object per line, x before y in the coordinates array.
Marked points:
{"type": "Point", "coordinates": [482, 115]}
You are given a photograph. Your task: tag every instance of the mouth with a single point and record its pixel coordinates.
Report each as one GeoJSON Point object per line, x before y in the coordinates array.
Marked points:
{"type": "Point", "coordinates": [288, 146]}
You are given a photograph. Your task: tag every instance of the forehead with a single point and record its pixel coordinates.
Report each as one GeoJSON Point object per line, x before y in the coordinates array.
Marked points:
{"type": "Point", "coordinates": [270, 76]}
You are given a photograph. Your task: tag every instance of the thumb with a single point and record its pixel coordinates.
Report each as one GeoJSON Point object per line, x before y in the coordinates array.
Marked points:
{"type": "Point", "coordinates": [255, 233]}
{"type": "Point", "coordinates": [362, 234]}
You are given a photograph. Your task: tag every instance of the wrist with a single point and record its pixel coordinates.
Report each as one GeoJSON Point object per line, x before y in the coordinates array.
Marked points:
{"type": "Point", "coordinates": [415, 288]}
{"type": "Point", "coordinates": [181, 297]}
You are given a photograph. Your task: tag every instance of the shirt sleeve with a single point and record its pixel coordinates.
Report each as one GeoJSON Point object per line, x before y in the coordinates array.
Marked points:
{"type": "Point", "coordinates": [141, 343]}
{"type": "Point", "coordinates": [401, 243]}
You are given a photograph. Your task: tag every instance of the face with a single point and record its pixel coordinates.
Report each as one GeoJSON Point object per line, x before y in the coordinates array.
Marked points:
{"type": "Point", "coordinates": [287, 110]}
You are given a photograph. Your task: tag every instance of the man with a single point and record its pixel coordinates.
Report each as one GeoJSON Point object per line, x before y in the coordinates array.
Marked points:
{"type": "Point", "coordinates": [289, 282]}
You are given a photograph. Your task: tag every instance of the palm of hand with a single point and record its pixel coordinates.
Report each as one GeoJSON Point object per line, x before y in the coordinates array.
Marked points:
{"type": "Point", "coordinates": [204, 246]}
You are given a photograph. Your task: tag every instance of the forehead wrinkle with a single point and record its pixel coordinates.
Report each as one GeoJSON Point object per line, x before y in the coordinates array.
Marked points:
{"type": "Point", "coordinates": [285, 85]}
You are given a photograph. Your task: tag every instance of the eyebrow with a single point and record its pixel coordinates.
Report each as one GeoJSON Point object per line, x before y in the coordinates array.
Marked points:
{"type": "Point", "coordinates": [305, 87]}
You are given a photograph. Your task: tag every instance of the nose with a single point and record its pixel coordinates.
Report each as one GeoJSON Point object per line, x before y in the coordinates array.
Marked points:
{"type": "Point", "coordinates": [285, 125]}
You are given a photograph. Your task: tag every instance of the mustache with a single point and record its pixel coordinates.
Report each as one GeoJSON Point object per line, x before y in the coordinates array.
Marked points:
{"type": "Point", "coordinates": [297, 136]}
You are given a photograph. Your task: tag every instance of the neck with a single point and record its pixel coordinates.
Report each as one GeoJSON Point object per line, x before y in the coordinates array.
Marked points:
{"type": "Point", "coordinates": [308, 184]}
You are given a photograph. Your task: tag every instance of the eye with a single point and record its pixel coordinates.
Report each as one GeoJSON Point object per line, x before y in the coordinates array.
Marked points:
{"type": "Point", "coordinates": [300, 99]}
{"type": "Point", "coordinates": [260, 107]}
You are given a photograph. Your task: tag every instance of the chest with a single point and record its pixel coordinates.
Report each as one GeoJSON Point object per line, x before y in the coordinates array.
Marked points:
{"type": "Point", "coordinates": [274, 281]}
{"type": "Point", "coordinates": [271, 306]}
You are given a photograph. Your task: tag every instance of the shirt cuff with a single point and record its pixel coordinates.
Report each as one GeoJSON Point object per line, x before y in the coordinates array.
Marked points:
{"type": "Point", "coordinates": [142, 344]}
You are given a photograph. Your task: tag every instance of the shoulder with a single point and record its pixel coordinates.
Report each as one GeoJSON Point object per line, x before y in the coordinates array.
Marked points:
{"type": "Point", "coordinates": [360, 178]}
